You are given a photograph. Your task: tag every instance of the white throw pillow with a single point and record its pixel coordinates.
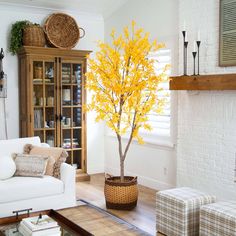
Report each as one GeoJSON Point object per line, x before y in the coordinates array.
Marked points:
{"type": "Point", "coordinates": [7, 167]}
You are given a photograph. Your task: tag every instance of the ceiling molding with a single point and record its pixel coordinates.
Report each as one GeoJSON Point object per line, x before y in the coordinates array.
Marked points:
{"type": "Point", "coordinates": [47, 10]}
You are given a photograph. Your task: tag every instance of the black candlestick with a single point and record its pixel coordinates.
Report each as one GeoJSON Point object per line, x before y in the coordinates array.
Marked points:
{"type": "Point", "coordinates": [198, 53]}
{"type": "Point", "coordinates": [1, 69]}
{"type": "Point", "coordinates": [185, 57]}
{"type": "Point", "coordinates": [194, 57]}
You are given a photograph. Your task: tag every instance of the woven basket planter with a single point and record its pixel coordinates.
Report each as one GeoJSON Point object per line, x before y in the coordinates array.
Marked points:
{"type": "Point", "coordinates": [121, 195]}
{"type": "Point", "coordinates": [34, 36]}
{"type": "Point", "coordinates": [62, 31]}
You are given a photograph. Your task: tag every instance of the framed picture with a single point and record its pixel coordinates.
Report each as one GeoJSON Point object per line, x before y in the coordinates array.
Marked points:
{"type": "Point", "coordinates": [227, 37]}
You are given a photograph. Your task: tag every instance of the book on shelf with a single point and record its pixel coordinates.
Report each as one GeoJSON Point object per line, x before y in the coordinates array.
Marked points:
{"type": "Point", "coordinates": [38, 118]}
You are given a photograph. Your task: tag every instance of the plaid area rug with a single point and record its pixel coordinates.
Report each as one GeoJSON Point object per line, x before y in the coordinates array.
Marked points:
{"type": "Point", "coordinates": [99, 222]}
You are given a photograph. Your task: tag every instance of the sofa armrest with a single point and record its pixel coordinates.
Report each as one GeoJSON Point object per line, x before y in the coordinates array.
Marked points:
{"type": "Point", "coordinates": [68, 177]}
{"type": "Point", "coordinates": [45, 145]}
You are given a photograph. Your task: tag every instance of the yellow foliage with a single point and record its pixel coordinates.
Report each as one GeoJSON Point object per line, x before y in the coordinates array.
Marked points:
{"type": "Point", "coordinates": [124, 82]}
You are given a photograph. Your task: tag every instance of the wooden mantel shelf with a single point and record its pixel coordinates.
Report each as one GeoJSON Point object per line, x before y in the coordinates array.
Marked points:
{"type": "Point", "coordinates": [204, 82]}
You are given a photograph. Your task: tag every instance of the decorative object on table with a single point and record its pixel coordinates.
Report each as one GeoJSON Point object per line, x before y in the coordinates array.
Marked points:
{"type": "Point", "coordinates": [124, 92]}
{"type": "Point", "coordinates": [62, 31]}
{"type": "Point", "coordinates": [194, 58]}
{"type": "Point", "coordinates": [227, 33]}
{"type": "Point", "coordinates": [20, 35]}
{"type": "Point", "coordinates": [39, 225]}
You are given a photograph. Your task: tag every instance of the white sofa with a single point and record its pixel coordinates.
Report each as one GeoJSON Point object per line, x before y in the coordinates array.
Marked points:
{"type": "Point", "coordinates": [18, 193]}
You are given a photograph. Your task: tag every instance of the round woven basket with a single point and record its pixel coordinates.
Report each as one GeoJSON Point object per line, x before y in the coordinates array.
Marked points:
{"type": "Point", "coordinates": [121, 195]}
{"type": "Point", "coordinates": [62, 31]}
{"type": "Point", "coordinates": [33, 35]}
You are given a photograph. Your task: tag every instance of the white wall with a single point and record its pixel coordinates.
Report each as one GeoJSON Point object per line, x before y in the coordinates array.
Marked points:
{"type": "Point", "coordinates": [154, 165]}
{"type": "Point", "coordinates": [94, 27]}
{"type": "Point", "coordinates": [206, 120]}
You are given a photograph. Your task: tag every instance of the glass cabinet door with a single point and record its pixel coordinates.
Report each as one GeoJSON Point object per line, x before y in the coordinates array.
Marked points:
{"type": "Point", "coordinates": [71, 120]}
{"type": "Point", "coordinates": [44, 101]}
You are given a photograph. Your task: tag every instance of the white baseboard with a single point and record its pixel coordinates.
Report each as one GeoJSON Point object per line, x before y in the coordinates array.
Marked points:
{"type": "Point", "coordinates": [95, 169]}
{"type": "Point", "coordinates": [145, 181]}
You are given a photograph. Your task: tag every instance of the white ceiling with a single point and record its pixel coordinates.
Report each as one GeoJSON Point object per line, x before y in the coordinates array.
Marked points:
{"type": "Point", "coordinates": [103, 7]}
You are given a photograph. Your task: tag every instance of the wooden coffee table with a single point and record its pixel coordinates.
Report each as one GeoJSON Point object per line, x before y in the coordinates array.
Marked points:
{"type": "Point", "coordinates": [9, 225]}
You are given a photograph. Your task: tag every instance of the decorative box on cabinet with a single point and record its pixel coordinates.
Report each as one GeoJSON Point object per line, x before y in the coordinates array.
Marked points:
{"type": "Point", "coordinates": [52, 95]}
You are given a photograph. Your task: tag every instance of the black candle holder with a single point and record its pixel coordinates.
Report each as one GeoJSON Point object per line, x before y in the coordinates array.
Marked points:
{"type": "Point", "coordinates": [185, 45]}
{"type": "Point", "coordinates": [185, 57]}
{"type": "Point", "coordinates": [194, 59]}
{"type": "Point", "coordinates": [198, 53]}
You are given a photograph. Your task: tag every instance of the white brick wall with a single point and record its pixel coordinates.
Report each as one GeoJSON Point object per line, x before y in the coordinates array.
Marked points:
{"type": "Point", "coordinates": [206, 120]}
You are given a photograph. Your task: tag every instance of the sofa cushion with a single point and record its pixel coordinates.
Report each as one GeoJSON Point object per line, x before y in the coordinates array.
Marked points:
{"type": "Point", "coordinates": [30, 165]}
{"type": "Point", "coordinates": [59, 154]}
{"type": "Point", "coordinates": [7, 167]}
{"type": "Point", "coordinates": [10, 146]}
{"type": "Point", "coordinates": [22, 188]}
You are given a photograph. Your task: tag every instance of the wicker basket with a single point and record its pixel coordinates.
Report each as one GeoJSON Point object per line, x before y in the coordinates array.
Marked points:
{"type": "Point", "coordinates": [62, 31]}
{"type": "Point", "coordinates": [121, 195]}
{"type": "Point", "coordinates": [33, 35]}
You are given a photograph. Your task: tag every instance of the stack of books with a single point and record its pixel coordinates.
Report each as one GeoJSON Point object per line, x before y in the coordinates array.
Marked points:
{"type": "Point", "coordinates": [35, 226]}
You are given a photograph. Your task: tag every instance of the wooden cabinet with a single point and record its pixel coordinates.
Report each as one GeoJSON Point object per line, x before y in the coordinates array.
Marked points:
{"type": "Point", "coordinates": [52, 96]}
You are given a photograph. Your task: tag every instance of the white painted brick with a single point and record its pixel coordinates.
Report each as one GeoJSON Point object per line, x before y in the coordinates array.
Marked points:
{"type": "Point", "coordinates": [206, 143]}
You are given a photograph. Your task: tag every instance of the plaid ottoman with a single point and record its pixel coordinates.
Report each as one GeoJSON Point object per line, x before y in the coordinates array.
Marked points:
{"type": "Point", "coordinates": [218, 219]}
{"type": "Point", "coordinates": [178, 211]}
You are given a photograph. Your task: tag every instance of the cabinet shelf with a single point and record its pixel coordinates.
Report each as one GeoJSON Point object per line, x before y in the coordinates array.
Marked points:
{"type": "Point", "coordinates": [72, 84]}
{"type": "Point", "coordinates": [203, 82]}
{"type": "Point", "coordinates": [42, 129]}
{"type": "Point", "coordinates": [73, 149]}
{"type": "Point", "coordinates": [73, 106]}
{"type": "Point", "coordinates": [75, 127]}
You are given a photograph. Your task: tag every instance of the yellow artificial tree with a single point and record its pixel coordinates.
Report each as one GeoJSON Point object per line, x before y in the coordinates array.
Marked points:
{"type": "Point", "coordinates": [124, 85]}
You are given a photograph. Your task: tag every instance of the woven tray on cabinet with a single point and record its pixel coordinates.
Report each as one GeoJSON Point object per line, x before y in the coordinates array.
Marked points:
{"type": "Point", "coordinates": [62, 31]}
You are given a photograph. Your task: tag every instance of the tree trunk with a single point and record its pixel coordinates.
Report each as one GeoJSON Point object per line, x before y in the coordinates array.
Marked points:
{"type": "Point", "coordinates": [122, 172]}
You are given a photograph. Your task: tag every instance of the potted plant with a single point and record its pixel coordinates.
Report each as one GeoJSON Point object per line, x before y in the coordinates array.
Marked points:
{"type": "Point", "coordinates": [25, 33]}
{"type": "Point", "coordinates": [124, 86]}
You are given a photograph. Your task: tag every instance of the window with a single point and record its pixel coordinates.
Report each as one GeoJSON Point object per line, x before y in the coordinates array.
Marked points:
{"type": "Point", "coordinates": [160, 134]}
{"type": "Point", "coordinates": [160, 122]}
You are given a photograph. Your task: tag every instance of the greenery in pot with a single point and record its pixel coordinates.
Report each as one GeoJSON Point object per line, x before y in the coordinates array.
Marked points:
{"type": "Point", "coordinates": [16, 36]}
{"type": "Point", "coordinates": [124, 85]}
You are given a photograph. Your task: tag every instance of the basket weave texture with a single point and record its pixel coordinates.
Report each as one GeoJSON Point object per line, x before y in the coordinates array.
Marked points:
{"type": "Point", "coordinates": [121, 195]}
{"type": "Point", "coordinates": [62, 31]}
{"type": "Point", "coordinates": [34, 36]}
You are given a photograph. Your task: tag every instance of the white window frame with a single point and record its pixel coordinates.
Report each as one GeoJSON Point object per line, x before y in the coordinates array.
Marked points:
{"type": "Point", "coordinates": [164, 139]}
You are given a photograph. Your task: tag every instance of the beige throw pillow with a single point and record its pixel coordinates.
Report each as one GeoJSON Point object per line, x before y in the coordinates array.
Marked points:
{"type": "Point", "coordinates": [50, 166]}
{"type": "Point", "coordinates": [30, 165]}
{"type": "Point", "coordinates": [59, 155]}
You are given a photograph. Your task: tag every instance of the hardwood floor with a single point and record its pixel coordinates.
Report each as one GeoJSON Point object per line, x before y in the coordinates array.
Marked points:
{"type": "Point", "coordinates": [143, 216]}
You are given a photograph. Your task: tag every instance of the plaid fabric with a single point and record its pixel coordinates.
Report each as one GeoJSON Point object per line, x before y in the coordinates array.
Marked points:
{"type": "Point", "coordinates": [218, 219]}
{"type": "Point", "coordinates": [178, 211]}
